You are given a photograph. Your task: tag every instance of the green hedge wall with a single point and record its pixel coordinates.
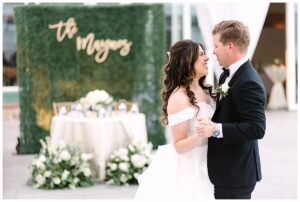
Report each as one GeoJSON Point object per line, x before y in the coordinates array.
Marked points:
{"type": "Point", "coordinates": [51, 71]}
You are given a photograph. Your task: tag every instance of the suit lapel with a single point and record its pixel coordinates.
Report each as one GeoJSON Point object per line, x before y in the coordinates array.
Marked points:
{"type": "Point", "coordinates": [219, 102]}
{"type": "Point", "coordinates": [239, 72]}
{"type": "Point", "coordinates": [235, 76]}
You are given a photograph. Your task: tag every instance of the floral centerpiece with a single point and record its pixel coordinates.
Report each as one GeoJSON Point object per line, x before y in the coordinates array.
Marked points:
{"type": "Point", "coordinates": [95, 99]}
{"type": "Point", "coordinates": [60, 167]}
{"type": "Point", "coordinates": [126, 164]}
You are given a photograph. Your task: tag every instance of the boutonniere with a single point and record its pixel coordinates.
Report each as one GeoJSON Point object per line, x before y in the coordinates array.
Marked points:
{"type": "Point", "coordinates": [222, 90]}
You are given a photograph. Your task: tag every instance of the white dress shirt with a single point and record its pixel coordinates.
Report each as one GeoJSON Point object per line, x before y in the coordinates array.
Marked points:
{"type": "Point", "coordinates": [232, 69]}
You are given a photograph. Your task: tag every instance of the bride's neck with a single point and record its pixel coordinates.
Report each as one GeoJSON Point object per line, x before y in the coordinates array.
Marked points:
{"type": "Point", "coordinates": [200, 94]}
{"type": "Point", "coordinates": [195, 86]}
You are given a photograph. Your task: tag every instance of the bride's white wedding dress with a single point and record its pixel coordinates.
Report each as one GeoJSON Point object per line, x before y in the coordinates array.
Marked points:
{"type": "Point", "coordinates": [179, 176]}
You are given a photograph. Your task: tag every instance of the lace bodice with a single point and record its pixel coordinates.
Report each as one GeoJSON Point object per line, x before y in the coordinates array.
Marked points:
{"type": "Point", "coordinates": [190, 114]}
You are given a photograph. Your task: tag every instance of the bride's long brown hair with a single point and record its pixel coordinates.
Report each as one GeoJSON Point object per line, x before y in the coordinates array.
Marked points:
{"type": "Point", "coordinates": [179, 71]}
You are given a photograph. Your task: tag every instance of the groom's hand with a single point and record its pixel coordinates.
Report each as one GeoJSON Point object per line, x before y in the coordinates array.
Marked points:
{"type": "Point", "coordinates": [205, 127]}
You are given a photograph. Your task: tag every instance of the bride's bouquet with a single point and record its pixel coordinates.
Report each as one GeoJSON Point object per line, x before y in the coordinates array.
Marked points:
{"type": "Point", "coordinates": [60, 167]}
{"type": "Point", "coordinates": [126, 164]}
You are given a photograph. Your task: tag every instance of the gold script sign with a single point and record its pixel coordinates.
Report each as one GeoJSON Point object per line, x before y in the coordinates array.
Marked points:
{"type": "Point", "coordinates": [89, 43]}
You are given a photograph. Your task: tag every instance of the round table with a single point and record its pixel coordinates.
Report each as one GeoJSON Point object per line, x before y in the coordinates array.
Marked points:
{"type": "Point", "coordinates": [277, 98]}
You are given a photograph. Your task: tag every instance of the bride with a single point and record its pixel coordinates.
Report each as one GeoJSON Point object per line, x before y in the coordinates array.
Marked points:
{"type": "Point", "coordinates": [179, 170]}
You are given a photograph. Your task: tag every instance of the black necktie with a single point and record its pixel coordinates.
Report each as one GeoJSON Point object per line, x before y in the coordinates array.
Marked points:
{"type": "Point", "coordinates": [224, 75]}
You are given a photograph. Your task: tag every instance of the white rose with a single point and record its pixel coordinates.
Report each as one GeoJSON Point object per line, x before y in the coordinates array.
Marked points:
{"type": "Point", "coordinates": [76, 180]}
{"type": "Point", "coordinates": [87, 172]}
{"type": "Point", "coordinates": [131, 148]}
{"type": "Point", "coordinates": [113, 166]}
{"type": "Point", "coordinates": [47, 174]}
{"type": "Point", "coordinates": [90, 98]}
{"type": "Point", "coordinates": [123, 154]}
{"type": "Point", "coordinates": [42, 158]}
{"type": "Point", "coordinates": [86, 157]}
{"type": "Point", "coordinates": [117, 153]}
{"type": "Point", "coordinates": [97, 96]}
{"type": "Point", "coordinates": [56, 180]}
{"type": "Point", "coordinates": [102, 95]}
{"type": "Point", "coordinates": [123, 167]}
{"type": "Point", "coordinates": [65, 155]}
{"type": "Point", "coordinates": [52, 150]}
{"type": "Point", "coordinates": [40, 179]}
{"type": "Point", "coordinates": [123, 178]}
{"type": "Point", "coordinates": [124, 158]}
{"type": "Point", "coordinates": [225, 87]}
{"type": "Point", "coordinates": [74, 160]}
{"type": "Point", "coordinates": [138, 160]}
{"type": "Point", "coordinates": [39, 164]}
{"type": "Point", "coordinates": [65, 175]}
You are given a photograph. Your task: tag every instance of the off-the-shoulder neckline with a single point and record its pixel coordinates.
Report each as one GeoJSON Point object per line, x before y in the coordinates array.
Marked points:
{"type": "Point", "coordinates": [191, 107]}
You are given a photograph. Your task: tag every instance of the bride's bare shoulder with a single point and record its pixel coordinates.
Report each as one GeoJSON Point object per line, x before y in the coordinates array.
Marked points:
{"type": "Point", "coordinates": [178, 101]}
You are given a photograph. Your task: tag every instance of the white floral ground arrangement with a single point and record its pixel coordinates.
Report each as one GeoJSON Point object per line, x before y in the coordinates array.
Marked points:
{"type": "Point", "coordinates": [127, 163]}
{"type": "Point", "coordinates": [60, 167]}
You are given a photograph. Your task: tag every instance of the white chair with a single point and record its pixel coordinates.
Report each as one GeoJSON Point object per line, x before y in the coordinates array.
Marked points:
{"type": "Point", "coordinates": [60, 106]}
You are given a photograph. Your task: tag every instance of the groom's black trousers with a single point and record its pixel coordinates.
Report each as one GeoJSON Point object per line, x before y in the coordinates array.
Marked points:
{"type": "Point", "coordinates": [233, 192]}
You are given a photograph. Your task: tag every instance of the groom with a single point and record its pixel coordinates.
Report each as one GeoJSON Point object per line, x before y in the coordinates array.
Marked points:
{"type": "Point", "coordinates": [239, 120]}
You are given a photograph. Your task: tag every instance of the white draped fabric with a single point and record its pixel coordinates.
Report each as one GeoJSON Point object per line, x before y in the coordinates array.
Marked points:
{"type": "Point", "coordinates": [99, 136]}
{"type": "Point", "coordinates": [210, 14]}
{"type": "Point", "coordinates": [277, 98]}
{"type": "Point", "coordinates": [187, 21]}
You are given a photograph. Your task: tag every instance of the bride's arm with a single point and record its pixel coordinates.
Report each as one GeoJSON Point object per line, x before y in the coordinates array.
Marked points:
{"type": "Point", "coordinates": [181, 141]}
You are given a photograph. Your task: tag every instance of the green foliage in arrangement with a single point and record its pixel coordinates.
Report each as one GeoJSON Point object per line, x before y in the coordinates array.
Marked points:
{"type": "Point", "coordinates": [50, 70]}
{"type": "Point", "coordinates": [126, 164]}
{"type": "Point", "coordinates": [59, 167]}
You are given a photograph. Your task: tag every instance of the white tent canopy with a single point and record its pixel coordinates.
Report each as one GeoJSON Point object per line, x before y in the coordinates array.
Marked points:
{"type": "Point", "coordinates": [210, 14]}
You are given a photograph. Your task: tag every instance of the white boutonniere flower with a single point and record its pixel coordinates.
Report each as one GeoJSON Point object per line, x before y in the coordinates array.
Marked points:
{"type": "Point", "coordinates": [223, 90]}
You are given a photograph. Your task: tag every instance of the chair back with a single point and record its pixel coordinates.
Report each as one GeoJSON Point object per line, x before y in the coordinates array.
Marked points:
{"type": "Point", "coordinates": [57, 106]}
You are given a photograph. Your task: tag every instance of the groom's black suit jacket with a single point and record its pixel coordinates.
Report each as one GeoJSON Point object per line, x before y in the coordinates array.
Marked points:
{"type": "Point", "coordinates": [233, 161]}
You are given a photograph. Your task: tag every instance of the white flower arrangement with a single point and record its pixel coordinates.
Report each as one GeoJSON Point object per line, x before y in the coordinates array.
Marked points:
{"type": "Point", "coordinates": [60, 167]}
{"type": "Point", "coordinates": [94, 98]}
{"type": "Point", "coordinates": [223, 90]}
{"type": "Point", "coordinates": [126, 164]}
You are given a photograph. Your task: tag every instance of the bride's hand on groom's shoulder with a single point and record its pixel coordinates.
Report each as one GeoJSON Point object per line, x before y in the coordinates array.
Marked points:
{"type": "Point", "coordinates": [204, 127]}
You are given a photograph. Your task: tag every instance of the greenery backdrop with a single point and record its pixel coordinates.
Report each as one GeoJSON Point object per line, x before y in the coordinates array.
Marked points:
{"type": "Point", "coordinates": [51, 71]}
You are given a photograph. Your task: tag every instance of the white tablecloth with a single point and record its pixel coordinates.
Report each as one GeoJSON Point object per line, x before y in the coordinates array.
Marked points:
{"type": "Point", "coordinates": [277, 98]}
{"type": "Point", "coordinates": [99, 136]}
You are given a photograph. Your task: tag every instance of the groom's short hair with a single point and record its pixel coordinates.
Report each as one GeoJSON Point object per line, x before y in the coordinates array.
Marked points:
{"type": "Point", "coordinates": [233, 31]}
